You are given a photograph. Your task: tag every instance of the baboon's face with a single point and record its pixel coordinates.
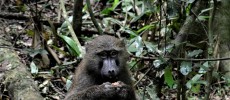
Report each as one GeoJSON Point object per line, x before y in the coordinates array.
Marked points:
{"type": "Point", "coordinates": [106, 56]}
{"type": "Point", "coordinates": [109, 63]}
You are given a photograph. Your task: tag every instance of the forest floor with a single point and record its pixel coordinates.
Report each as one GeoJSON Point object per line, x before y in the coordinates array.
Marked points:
{"type": "Point", "coordinates": [17, 26]}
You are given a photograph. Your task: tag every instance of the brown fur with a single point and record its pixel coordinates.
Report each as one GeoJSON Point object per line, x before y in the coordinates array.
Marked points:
{"type": "Point", "coordinates": [88, 83]}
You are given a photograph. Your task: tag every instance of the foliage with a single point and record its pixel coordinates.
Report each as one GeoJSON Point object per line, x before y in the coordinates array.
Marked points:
{"type": "Point", "coordinates": [150, 28]}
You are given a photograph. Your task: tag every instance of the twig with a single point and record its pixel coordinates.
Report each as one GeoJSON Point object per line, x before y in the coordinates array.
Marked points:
{"type": "Point", "coordinates": [144, 75]}
{"type": "Point", "coordinates": [93, 18]}
{"type": "Point", "coordinates": [57, 90]}
{"type": "Point", "coordinates": [70, 27]}
{"type": "Point", "coordinates": [181, 59]}
{"type": "Point", "coordinates": [17, 16]}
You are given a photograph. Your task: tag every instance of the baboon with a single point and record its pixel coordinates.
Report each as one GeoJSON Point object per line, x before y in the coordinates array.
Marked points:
{"type": "Point", "coordinates": [103, 73]}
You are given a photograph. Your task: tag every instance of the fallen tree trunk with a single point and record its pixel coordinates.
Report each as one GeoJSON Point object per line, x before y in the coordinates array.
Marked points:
{"type": "Point", "coordinates": [17, 78]}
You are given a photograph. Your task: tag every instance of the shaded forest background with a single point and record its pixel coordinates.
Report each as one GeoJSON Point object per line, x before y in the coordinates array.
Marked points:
{"type": "Point", "coordinates": [179, 49]}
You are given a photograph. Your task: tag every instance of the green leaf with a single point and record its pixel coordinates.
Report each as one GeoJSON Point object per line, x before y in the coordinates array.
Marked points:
{"type": "Point", "coordinates": [65, 25]}
{"type": "Point", "coordinates": [114, 21]}
{"type": "Point", "coordinates": [107, 11]}
{"type": "Point", "coordinates": [157, 63]}
{"type": "Point", "coordinates": [115, 4]}
{"type": "Point", "coordinates": [133, 33]}
{"type": "Point", "coordinates": [33, 53]}
{"type": "Point", "coordinates": [127, 8]}
{"type": "Point", "coordinates": [168, 77]}
{"type": "Point", "coordinates": [139, 45]}
{"type": "Point", "coordinates": [137, 18]}
{"type": "Point", "coordinates": [147, 27]}
{"type": "Point", "coordinates": [197, 78]}
{"type": "Point", "coordinates": [168, 48]}
{"type": "Point", "coordinates": [204, 68]}
{"type": "Point", "coordinates": [22, 7]}
{"type": "Point", "coordinates": [72, 45]}
{"type": "Point", "coordinates": [190, 1]}
{"type": "Point", "coordinates": [195, 53]}
{"type": "Point", "coordinates": [131, 45]}
{"type": "Point", "coordinates": [185, 67]}
{"type": "Point", "coordinates": [196, 88]}
{"type": "Point", "coordinates": [203, 18]}
{"type": "Point", "coordinates": [68, 84]}
{"type": "Point", "coordinates": [33, 68]}
{"type": "Point", "coordinates": [30, 32]}
{"type": "Point", "coordinates": [136, 46]}
{"type": "Point", "coordinates": [205, 10]}
{"type": "Point", "coordinates": [210, 50]}
{"type": "Point", "coordinates": [151, 92]}
{"type": "Point", "coordinates": [190, 83]}
{"type": "Point", "coordinates": [132, 64]}
{"type": "Point", "coordinates": [150, 46]}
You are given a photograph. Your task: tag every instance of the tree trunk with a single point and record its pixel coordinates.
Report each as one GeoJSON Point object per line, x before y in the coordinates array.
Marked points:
{"type": "Point", "coordinates": [17, 79]}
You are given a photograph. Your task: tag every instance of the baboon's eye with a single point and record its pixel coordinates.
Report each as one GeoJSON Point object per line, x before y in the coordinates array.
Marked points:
{"type": "Point", "coordinates": [103, 54]}
{"type": "Point", "coordinates": [113, 53]}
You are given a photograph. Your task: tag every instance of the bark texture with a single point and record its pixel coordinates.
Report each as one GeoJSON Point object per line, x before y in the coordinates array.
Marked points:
{"type": "Point", "coordinates": [15, 75]}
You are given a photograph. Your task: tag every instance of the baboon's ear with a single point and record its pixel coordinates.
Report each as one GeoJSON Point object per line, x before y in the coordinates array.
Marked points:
{"type": "Point", "coordinates": [122, 42]}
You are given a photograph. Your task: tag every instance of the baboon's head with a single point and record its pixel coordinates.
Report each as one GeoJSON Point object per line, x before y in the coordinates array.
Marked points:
{"type": "Point", "coordinates": [106, 56]}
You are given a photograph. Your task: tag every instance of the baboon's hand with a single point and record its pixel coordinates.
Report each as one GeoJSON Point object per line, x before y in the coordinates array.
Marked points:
{"type": "Point", "coordinates": [116, 89]}
{"type": "Point", "coordinates": [124, 90]}
{"type": "Point", "coordinates": [109, 90]}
